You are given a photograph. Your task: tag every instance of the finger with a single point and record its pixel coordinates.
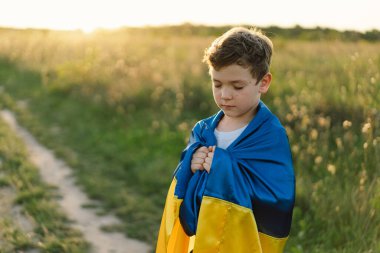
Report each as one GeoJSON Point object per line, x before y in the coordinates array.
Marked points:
{"type": "Point", "coordinates": [213, 148]}
{"type": "Point", "coordinates": [199, 155]}
{"type": "Point", "coordinates": [210, 148]}
{"type": "Point", "coordinates": [195, 167]}
{"type": "Point", "coordinates": [206, 166]}
{"type": "Point", "coordinates": [203, 149]}
{"type": "Point", "coordinates": [198, 160]}
{"type": "Point", "coordinates": [208, 160]}
{"type": "Point", "coordinates": [211, 154]}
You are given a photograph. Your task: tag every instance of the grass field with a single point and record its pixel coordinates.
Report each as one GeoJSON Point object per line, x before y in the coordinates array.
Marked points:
{"type": "Point", "coordinates": [118, 107]}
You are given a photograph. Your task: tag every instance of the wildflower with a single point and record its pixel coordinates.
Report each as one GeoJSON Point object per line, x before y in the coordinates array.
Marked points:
{"type": "Point", "coordinates": [363, 177]}
{"type": "Point", "coordinates": [183, 126]}
{"type": "Point", "coordinates": [303, 110]}
{"type": "Point", "coordinates": [365, 145]}
{"type": "Point", "coordinates": [305, 121]}
{"type": "Point", "coordinates": [347, 124]}
{"type": "Point", "coordinates": [331, 168]}
{"type": "Point", "coordinates": [366, 128]}
{"type": "Point", "coordinates": [362, 180]}
{"type": "Point", "coordinates": [289, 131]}
{"type": "Point", "coordinates": [339, 143]}
{"type": "Point", "coordinates": [295, 149]}
{"type": "Point", "coordinates": [318, 159]}
{"type": "Point", "coordinates": [311, 150]}
{"type": "Point", "coordinates": [294, 109]}
{"type": "Point", "coordinates": [289, 117]}
{"type": "Point", "coordinates": [324, 122]}
{"type": "Point", "coordinates": [313, 134]}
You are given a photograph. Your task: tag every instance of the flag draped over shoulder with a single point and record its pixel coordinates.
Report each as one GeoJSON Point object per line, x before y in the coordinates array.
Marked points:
{"type": "Point", "coordinates": [244, 204]}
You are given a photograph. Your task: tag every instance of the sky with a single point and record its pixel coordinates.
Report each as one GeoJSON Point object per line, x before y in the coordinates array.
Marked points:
{"type": "Point", "coordinates": [87, 15]}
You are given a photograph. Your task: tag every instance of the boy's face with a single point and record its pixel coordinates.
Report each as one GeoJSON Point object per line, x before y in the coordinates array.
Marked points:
{"type": "Point", "coordinates": [236, 92]}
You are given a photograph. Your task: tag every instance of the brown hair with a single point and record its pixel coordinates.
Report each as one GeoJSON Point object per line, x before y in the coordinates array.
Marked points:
{"type": "Point", "coordinates": [249, 48]}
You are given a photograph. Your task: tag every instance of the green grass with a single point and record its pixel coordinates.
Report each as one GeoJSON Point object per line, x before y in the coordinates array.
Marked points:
{"type": "Point", "coordinates": [14, 238]}
{"type": "Point", "coordinates": [118, 109]}
{"type": "Point", "coordinates": [115, 156]}
{"type": "Point", "coordinates": [52, 232]}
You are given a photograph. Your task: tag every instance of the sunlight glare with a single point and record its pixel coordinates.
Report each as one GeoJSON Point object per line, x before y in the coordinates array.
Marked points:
{"type": "Point", "coordinates": [89, 15]}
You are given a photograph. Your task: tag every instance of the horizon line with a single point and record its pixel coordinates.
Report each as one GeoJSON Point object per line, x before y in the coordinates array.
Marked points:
{"type": "Point", "coordinates": [99, 28]}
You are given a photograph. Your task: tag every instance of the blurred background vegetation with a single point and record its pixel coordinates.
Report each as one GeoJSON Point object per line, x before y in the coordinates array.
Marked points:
{"type": "Point", "coordinates": [118, 105]}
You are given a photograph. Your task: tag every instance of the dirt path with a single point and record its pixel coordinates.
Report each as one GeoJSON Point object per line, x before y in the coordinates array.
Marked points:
{"type": "Point", "coordinates": [55, 172]}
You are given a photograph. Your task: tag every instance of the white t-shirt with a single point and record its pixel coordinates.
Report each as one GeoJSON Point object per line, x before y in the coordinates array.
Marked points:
{"type": "Point", "coordinates": [224, 139]}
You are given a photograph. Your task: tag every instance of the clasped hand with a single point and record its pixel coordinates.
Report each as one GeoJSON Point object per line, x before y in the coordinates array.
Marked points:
{"type": "Point", "coordinates": [202, 159]}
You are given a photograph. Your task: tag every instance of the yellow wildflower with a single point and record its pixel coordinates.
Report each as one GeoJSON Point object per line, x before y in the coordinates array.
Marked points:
{"type": "Point", "coordinates": [347, 124]}
{"type": "Point", "coordinates": [183, 126]}
{"type": "Point", "coordinates": [331, 168]}
{"type": "Point", "coordinates": [295, 149]}
{"type": "Point", "coordinates": [366, 128]}
{"type": "Point", "coordinates": [339, 143]}
{"type": "Point", "coordinates": [318, 159]}
{"type": "Point", "coordinates": [313, 134]}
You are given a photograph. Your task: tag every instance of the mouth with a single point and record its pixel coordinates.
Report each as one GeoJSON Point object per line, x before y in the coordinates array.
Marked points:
{"type": "Point", "coordinates": [227, 106]}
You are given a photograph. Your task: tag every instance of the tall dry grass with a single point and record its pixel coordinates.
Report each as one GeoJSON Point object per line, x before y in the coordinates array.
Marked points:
{"type": "Point", "coordinates": [326, 93]}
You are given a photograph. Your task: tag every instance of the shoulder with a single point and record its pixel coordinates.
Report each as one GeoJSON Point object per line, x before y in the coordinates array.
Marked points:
{"type": "Point", "coordinates": [200, 128]}
{"type": "Point", "coordinates": [204, 123]}
{"type": "Point", "coordinates": [272, 123]}
{"type": "Point", "coordinates": [278, 132]}
{"type": "Point", "coordinates": [273, 134]}
{"type": "Point", "coordinates": [276, 124]}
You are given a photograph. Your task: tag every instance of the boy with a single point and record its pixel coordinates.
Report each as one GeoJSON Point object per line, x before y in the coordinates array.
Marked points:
{"type": "Point", "coordinates": [234, 188]}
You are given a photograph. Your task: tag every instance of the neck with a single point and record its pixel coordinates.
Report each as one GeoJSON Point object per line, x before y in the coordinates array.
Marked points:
{"type": "Point", "coordinates": [232, 123]}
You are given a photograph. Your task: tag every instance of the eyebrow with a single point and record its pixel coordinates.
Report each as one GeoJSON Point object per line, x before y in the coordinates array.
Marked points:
{"type": "Point", "coordinates": [233, 82]}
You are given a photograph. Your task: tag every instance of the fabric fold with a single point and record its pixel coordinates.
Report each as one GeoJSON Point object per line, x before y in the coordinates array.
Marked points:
{"type": "Point", "coordinates": [254, 173]}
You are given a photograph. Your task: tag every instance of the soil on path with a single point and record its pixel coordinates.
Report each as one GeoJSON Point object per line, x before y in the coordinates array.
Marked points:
{"type": "Point", "coordinates": [55, 172]}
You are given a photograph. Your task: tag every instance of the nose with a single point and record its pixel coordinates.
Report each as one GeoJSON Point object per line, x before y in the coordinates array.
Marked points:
{"type": "Point", "coordinates": [226, 94]}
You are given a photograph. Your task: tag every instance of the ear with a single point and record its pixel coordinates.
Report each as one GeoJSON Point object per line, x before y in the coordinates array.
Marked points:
{"type": "Point", "coordinates": [265, 83]}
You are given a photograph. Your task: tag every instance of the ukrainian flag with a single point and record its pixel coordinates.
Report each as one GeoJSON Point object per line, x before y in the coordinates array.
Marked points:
{"type": "Point", "coordinates": [245, 203]}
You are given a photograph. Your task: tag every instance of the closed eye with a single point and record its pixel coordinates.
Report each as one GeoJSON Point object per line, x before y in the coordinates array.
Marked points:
{"type": "Point", "coordinates": [217, 85]}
